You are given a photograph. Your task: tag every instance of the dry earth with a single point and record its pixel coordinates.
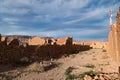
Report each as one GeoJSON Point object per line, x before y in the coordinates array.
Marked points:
{"type": "Point", "coordinates": [55, 69]}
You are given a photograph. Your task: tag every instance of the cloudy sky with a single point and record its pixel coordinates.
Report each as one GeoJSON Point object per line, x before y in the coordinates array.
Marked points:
{"type": "Point", "coordinates": [81, 19]}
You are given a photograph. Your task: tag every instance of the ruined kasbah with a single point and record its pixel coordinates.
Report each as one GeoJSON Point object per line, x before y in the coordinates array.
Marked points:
{"type": "Point", "coordinates": [39, 54]}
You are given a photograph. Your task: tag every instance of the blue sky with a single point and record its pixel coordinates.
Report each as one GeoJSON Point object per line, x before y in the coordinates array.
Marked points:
{"type": "Point", "coordinates": [81, 19]}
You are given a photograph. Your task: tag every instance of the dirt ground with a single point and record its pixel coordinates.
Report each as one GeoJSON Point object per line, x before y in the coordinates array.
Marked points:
{"type": "Point", "coordinates": [98, 58]}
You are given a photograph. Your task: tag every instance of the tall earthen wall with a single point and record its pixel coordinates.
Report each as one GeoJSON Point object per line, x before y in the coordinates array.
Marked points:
{"type": "Point", "coordinates": [114, 40]}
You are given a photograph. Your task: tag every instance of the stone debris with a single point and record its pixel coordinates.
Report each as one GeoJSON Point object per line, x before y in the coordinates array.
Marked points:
{"type": "Point", "coordinates": [104, 76]}
{"type": "Point", "coordinates": [93, 44]}
{"type": "Point", "coordinates": [87, 77]}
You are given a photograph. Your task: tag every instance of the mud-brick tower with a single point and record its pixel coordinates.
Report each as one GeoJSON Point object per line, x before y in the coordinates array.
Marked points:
{"type": "Point", "coordinates": [114, 39]}
{"type": "Point", "coordinates": [118, 36]}
{"type": "Point", "coordinates": [118, 18]}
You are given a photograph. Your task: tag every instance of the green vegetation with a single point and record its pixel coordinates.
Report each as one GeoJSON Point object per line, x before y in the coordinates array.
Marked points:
{"type": "Point", "coordinates": [104, 50]}
{"type": "Point", "coordinates": [9, 75]}
{"type": "Point", "coordinates": [22, 62]}
{"type": "Point", "coordinates": [89, 66]}
{"type": "Point", "coordinates": [90, 73]}
{"type": "Point", "coordinates": [51, 66]}
{"type": "Point", "coordinates": [81, 76]}
{"type": "Point", "coordinates": [71, 77]}
{"type": "Point", "coordinates": [105, 57]}
{"type": "Point", "coordinates": [68, 70]}
{"type": "Point", "coordinates": [93, 52]}
{"type": "Point", "coordinates": [68, 75]}
{"type": "Point", "coordinates": [104, 64]}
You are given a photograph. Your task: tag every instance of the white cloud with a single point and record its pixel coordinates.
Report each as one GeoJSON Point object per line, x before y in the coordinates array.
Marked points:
{"type": "Point", "coordinates": [15, 7]}
{"type": "Point", "coordinates": [18, 33]}
{"type": "Point", "coordinates": [10, 19]}
{"type": "Point", "coordinates": [72, 32]}
{"type": "Point", "coordinates": [98, 13]}
{"type": "Point", "coordinates": [75, 32]}
{"type": "Point", "coordinates": [53, 7]}
{"type": "Point", "coordinates": [10, 28]}
{"type": "Point", "coordinates": [42, 18]}
{"type": "Point", "coordinates": [13, 11]}
{"type": "Point", "coordinates": [22, 16]}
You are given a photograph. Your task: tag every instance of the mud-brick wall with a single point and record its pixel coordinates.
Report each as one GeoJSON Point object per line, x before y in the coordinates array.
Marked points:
{"type": "Point", "coordinates": [14, 52]}
{"type": "Point", "coordinates": [114, 40]}
{"type": "Point", "coordinates": [114, 43]}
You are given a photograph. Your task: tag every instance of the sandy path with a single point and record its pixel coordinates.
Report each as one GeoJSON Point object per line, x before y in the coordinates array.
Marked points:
{"type": "Point", "coordinates": [97, 57]}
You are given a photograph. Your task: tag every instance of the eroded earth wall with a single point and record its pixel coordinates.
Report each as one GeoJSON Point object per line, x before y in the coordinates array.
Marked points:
{"type": "Point", "coordinates": [14, 52]}
{"type": "Point", "coordinates": [114, 40]}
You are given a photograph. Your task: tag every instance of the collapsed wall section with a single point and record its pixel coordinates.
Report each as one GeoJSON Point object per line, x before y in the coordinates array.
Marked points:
{"type": "Point", "coordinates": [14, 52]}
